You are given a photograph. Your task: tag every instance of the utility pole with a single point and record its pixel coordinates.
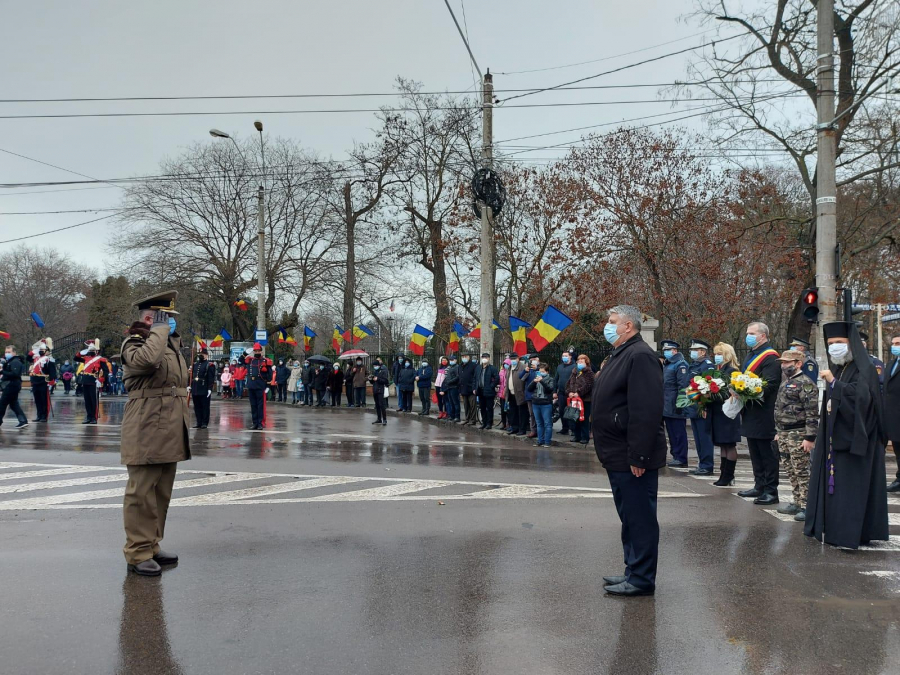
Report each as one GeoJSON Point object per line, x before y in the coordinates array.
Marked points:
{"type": "Point", "coordinates": [261, 260]}
{"type": "Point", "coordinates": [487, 229]}
{"type": "Point", "coordinates": [826, 189]}
{"type": "Point", "coordinates": [350, 285]}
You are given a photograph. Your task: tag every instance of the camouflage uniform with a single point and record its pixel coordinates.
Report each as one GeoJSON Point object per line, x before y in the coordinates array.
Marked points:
{"type": "Point", "coordinates": [797, 420]}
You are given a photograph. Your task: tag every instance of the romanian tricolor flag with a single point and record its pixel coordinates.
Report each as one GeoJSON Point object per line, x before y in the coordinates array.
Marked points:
{"type": "Point", "coordinates": [551, 324]}
{"type": "Point", "coordinates": [241, 304]}
{"type": "Point", "coordinates": [217, 341]}
{"type": "Point", "coordinates": [200, 343]}
{"type": "Point", "coordinates": [359, 332]}
{"type": "Point", "coordinates": [291, 340]}
{"type": "Point", "coordinates": [456, 333]}
{"type": "Point", "coordinates": [4, 335]}
{"type": "Point", "coordinates": [419, 338]}
{"type": "Point", "coordinates": [308, 335]}
{"type": "Point", "coordinates": [336, 338]}
{"type": "Point", "coordinates": [517, 330]}
{"type": "Point", "coordinates": [225, 335]}
{"type": "Point", "coordinates": [476, 332]}
{"type": "Point", "coordinates": [346, 337]}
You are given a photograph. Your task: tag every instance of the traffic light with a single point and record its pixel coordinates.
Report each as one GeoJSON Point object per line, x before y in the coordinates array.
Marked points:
{"type": "Point", "coordinates": [810, 302]}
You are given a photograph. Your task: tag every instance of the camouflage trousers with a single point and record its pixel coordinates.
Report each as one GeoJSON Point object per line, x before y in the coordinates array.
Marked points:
{"type": "Point", "coordinates": [795, 461]}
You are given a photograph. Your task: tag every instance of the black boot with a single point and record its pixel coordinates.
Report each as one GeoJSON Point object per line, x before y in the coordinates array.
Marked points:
{"type": "Point", "coordinates": [726, 476]}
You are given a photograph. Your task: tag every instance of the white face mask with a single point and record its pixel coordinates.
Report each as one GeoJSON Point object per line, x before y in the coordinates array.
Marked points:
{"type": "Point", "coordinates": [484, 361]}
{"type": "Point", "coordinates": [839, 352]}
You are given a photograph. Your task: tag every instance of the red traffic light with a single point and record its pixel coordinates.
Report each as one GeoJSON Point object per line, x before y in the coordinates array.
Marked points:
{"type": "Point", "coordinates": [811, 297]}
{"type": "Point", "coordinates": [810, 302]}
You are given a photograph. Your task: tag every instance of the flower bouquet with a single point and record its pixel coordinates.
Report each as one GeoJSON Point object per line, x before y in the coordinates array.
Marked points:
{"type": "Point", "coordinates": [748, 387]}
{"type": "Point", "coordinates": [703, 389]}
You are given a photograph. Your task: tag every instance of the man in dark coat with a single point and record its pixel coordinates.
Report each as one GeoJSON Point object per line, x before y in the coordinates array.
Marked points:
{"type": "Point", "coordinates": [335, 385]}
{"type": "Point", "coordinates": [406, 385]}
{"type": "Point", "coordinates": [320, 384]}
{"type": "Point", "coordinates": [758, 419]}
{"type": "Point", "coordinates": [630, 440]}
{"type": "Point", "coordinates": [306, 377]}
{"type": "Point", "coordinates": [203, 381]}
{"type": "Point", "coordinates": [892, 406]}
{"type": "Point", "coordinates": [487, 379]}
{"type": "Point", "coordinates": [560, 380]}
{"type": "Point", "coordinates": [12, 385]}
{"type": "Point", "coordinates": [467, 390]}
{"type": "Point", "coordinates": [424, 375]}
{"type": "Point", "coordinates": [847, 503]}
{"type": "Point", "coordinates": [676, 378]}
{"type": "Point", "coordinates": [282, 375]}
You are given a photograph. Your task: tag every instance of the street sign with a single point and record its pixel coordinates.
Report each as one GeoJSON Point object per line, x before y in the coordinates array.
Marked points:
{"type": "Point", "coordinates": [261, 337]}
{"type": "Point", "coordinates": [890, 317]}
{"type": "Point", "coordinates": [869, 308]}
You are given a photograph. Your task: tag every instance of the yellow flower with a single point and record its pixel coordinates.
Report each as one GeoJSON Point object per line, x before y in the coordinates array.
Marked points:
{"type": "Point", "coordinates": [757, 390]}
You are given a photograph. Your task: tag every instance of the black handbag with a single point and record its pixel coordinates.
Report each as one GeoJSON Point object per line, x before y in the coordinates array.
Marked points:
{"type": "Point", "coordinates": [571, 414]}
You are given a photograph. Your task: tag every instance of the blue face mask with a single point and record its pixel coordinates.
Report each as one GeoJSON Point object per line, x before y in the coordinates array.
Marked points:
{"type": "Point", "coordinates": [506, 366]}
{"type": "Point", "coordinates": [566, 359]}
{"type": "Point", "coordinates": [171, 325]}
{"type": "Point", "coordinates": [895, 350]}
{"type": "Point", "coordinates": [580, 366]}
{"type": "Point", "coordinates": [610, 332]}
{"type": "Point", "coordinates": [751, 341]}
{"type": "Point", "coordinates": [694, 355]}
{"type": "Point", "coordinates": [376, 367]}
{"type": "Point", "coordinates": [452, 362]}
{"type": "Point", "coordinates": [668, 353]}
{"type": "Point", "coordinates": [719, 359]}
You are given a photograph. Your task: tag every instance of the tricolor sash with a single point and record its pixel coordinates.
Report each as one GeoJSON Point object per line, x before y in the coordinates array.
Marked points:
{"type": "Point", "coordinates": [762, 356]}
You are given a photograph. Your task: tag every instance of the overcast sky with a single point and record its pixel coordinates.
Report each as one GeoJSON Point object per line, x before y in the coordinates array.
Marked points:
{"type": "Point", "coordinates": [107, 48]}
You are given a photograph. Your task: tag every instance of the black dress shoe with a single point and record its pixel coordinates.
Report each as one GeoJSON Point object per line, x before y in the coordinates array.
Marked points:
{"type": "Point", "coordinates": [148, 568]}
{"type": "Point", "coordinates": [205, 426]}
{"type": "Point", "coordinates": [612, 581]}
{"type": "Point", "coordinates": [163, 558]}
{"type": "Point", "coordinates": [93, 422]}
{"type": "Point", "coordinates": [627, 590]}
{"type": "Point", "coordinates": [701, 472]}
{"type": "Point", "coordinates": [198, 426]}
{"type": "Point", "coordinates": [766, 500]}
{"type": "Point", "coordinates": [86, 422]}
{"type": "Point", "coordinates": [675, 464]}
{"type": "Point", "coordinates": [894, 487]}
{"type": "Point", "coordinates": [752, 492]}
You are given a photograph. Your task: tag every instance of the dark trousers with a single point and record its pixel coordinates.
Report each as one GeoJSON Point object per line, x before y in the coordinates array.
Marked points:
{"type": "Point", "coordinates": [89, 391]}
{"type": "Point", "coordinates": [425, 399]}
{"type": "Point", "coordinates": [440, 399]}
{"type": "Point", "coordinates": [67, 385]}
{"type": "Point", "coordinates": [335, 397]}
{"type": "Point", "coordinates": [256, 405]}
{"type": "Point", "coordinates": [896, 446]}
{"type": "Point", "coordinates": [282, 391]}
{"type": "Point", "coordinates": [583, 429]}
{"type": "Point", "coordinates": [360, 393]}
{"type": "Point", "coordinates": [349, 388]}
{"type": "Point", "coordinates": [676, 428]}
{"type": "Point", "coordinates": [452, 403]}
{"type": "Point", "coordinates": [41, 393]}
{"type": "Point", "coordinates": [512, 414]}
{"type": "Point", "coordinates": [486, 403]}
{"type": "Point", "coordinates": [308, 394]}
{"type": "Point", "coordinates": [201, 409]}
{"type": "Point", "coordinates": [380, 407]}
{"type": "Point", "coordinates": [635, 500]}
{"type": "Point", "coordinates": [524, 418]}
{"type": "Point", "coordinates": [470, 407]}
{"type": "Point", "coordinates": [239, 388]}
{"type": "Point", "coordinates": [561, 404]}
{"type": "Point", "coordinates": [764, 459]}
{"type": "Point", "coordinates": [405, 402]}
{"type": "Point", "coordinates": [10, 399]}
{"type": "Point", "coordinates": [702, 429]}
{"type": "Point", "coordinates": [320, 397]}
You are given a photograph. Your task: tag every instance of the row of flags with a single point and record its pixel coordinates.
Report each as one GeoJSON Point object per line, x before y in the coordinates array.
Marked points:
{"type": "Point", "coordinates": [350, 336]}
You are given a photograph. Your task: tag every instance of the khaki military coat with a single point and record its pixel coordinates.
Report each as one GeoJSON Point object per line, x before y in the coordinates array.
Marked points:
{"type": "Point", "coordinates": [155, 425]}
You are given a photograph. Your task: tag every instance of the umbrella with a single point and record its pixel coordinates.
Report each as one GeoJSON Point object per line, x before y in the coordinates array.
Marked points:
{"type": "Point", "coordinates": [353, 353]}
{"type": "Point", "coordinates": [318, 358]}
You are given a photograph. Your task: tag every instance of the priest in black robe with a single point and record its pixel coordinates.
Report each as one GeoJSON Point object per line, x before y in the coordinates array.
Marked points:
{"type": "Point", "coordinates": [847, 503]}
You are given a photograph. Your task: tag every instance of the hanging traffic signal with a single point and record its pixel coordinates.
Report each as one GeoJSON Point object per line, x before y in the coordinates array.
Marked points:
{"type": "Point", "coordinates": [810, 302]}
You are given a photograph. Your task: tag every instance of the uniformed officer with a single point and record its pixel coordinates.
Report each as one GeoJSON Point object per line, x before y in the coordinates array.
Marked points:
{"type": "Point", "coordinates": [675, 381]}
{"type": "Point", "coordinates": [93, 366]}
{"type": "Point", "coordinates": [203, 381]}
{"type": "Point", "coordinates": [42, 374]}
{"type": "Point", "coordinates": [809, 368]}
{"type": "Point", "coordinates": [878, 363]}
{"type": "Point", "coordinates": [796, 421]}
{"type": "Point", "coordinates": [154, 429]}
{"type": "Point", "coordinates": [701, 425]}
{"type": "Point", "coordinates": [259, 372]}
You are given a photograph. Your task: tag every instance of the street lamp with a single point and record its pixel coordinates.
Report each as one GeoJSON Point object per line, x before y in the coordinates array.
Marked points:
{"type": "Point", "coordinates": [261, 195]}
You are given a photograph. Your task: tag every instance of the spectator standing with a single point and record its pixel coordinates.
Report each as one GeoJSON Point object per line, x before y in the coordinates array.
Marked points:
{"type": "Point", "coordinates": [501, 394]}
{"type": "Point", "coordinates": [518, 389]}
{"type": "Point", "coordinates": [335, 384]}
{"type": "Point", "coordinates": [282, 375]}
{"type": "Point", "coordinates": [892, 407]}
{"type": "Point", "coordinates": [67, 373]}
{"type": "Point", "coordinates": [726, 432]}
{"type": "Point", "coordinates": [307, 374]}
{"type": "Point", "coordinates": [450, 390]}
{"type": "Point", "coordinates": [423, 382]}
{"type": "Point", "coordinates": [563, 372]}
{"type": "Point", "coordinates": [240, 379]}
{"type": "Point", "coordinates": [294, 382]}
{"type": "Point", "coordinates": [379, 380]}
{"type": "Point", "coordinates": [225, 378]}
{"type": "Point", "coordinates": [541, 388]}
{"type": "Point", "coordinates": [581, 386]}
{"type": "Point", "coordinates": [467, 389]}
{"type": "Point", "coordinates": [438, 387]}
{"type": "Point", "coordinates": [406, 385]}
{"type": "Point", "coordinates": [320, 384]}
{"type": "Point", "coordinates": [487, 379]}
{"type": "Point", "coordinates": [360, 376]}
{"type": "Point", "coordinates": [527, 376]}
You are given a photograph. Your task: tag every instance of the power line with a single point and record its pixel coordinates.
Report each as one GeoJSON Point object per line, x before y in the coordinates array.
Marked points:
{"type": "Point", "coordinates": [48, 213]}
{"type": "Point", "coordinates": [54, 166]}
{"type": "Point", "coordinates": [59, 229]}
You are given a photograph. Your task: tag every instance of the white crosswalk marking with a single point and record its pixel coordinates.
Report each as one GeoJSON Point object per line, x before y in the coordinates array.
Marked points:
{"type": "Point", "coordinates": [19, 475]}
{"type": "Point", "coordinates": [367, 489]}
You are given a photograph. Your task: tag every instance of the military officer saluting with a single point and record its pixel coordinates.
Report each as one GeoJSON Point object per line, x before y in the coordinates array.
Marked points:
{"type": "Point", "coordinates": [809, 368]}
{"type": "Point", "coordinates": [259, 372]}
{"type": "Point", "coordinates": [93, 367]}
{"type": "Point", "coordinates": [797, 424]}
{"type": "Point", "coordinates": [675, 380]}
{"type": "Point", "coordinates": [203, 381]}
{"type": "Point", "coordinates": [154, 429]}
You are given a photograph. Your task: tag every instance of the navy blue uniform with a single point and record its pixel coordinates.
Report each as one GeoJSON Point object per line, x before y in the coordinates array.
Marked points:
{"type": "Point", "coordinates": [259, 372]}
{"type": "Point", "coordinates": [702, 426]}
{"type": "Point", "coordinates": [675, 379]}
{"type": "Point", "coordinates": [203, 381]}
{"type": "Point", "coordinates": [811, 369]}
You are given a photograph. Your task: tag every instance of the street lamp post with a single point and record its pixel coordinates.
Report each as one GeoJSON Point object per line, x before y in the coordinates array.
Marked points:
{"type": "Point", "coordinates": [261, 199]}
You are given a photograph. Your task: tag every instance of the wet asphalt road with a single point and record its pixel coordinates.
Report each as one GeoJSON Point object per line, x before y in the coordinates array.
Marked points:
{"type": "Point", "coordinates": [321, 546]}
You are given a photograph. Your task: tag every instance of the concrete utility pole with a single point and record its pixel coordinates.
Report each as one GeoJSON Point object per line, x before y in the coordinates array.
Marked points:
{"type": "Point", "coordinates": [826, 189]}
{"type": "Point", "coordinates": [261, 261]}
{"type": "Point", "coordinates": [487, 223]}
{"type": "Point", "coordinates": [350, 285]}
